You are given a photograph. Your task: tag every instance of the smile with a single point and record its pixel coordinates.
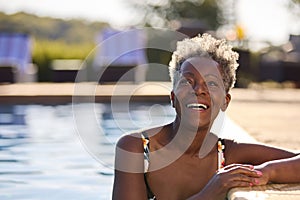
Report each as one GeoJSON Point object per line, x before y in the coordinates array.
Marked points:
{"type": "Point", "coordinates": [197, 106]}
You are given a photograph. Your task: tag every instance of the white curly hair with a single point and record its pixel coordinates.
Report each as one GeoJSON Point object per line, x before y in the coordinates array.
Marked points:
{"type": "Point", "coordinates": [210, 47]}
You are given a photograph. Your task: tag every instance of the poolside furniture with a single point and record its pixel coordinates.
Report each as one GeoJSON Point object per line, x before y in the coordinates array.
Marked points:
{"type": "Point", "coordinates": [283, 63]}
{"type": "Point", "coordinates": [120, 56]}
{"type": "Point", "coordinates": [15, 56]}
{"type": "Point", "coordinates": [66, 70]}
{"type": "Point", "coordinates": [7, 74]}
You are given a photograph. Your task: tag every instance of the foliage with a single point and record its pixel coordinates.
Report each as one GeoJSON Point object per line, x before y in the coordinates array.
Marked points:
{"type": "Point", "coordinates": [53, 38]}
{"type": "Point", "coordinates": [46, 28]}
{"type": "Point", "coordinates": [45, 51]}
{"type": "Point", "coordinates": [294, 6]}
{"type": "Point", "coordinates": [163, 12]}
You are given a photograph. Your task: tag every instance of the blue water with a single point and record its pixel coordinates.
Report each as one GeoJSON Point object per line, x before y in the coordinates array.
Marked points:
{"type": "Point", "coordinates": [42, 154]}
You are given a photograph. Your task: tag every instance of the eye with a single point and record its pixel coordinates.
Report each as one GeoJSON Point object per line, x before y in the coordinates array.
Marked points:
{"type": "Point", "coordinates": [186, 81]}
{"type": "Point", "coordinates": [212, 84]}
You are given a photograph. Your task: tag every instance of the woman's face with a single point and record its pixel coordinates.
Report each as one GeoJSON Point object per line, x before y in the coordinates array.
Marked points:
{"type": "Point", "coordinates": [199, 93]}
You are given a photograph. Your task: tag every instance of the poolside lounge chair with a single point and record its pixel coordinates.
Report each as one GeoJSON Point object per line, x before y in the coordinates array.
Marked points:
{"type": "Point", "coordinates": [66, 70]}
{"type": "Point", "coordinates": [15, 55]}
{"type": "Point", "coordinates": [120, 56]}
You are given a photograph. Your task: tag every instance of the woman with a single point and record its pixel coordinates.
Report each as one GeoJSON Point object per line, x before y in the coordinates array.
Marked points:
{"type": "Point", "coordinates": [185, 159]}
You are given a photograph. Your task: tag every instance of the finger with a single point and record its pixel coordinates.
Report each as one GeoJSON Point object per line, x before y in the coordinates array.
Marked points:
{"type": "Point", "coordinates": [240, 183]}
{"type": "Point", "coordinates": [252, 173]}
{"type": "Point", "coordinates": [237, 180]}
{"type": "Point", "coordinates": [244, 178]}
{"type": "Point", "coordinates": [231, 166]}
{"type": "Point", "coordinates": [246, 171]}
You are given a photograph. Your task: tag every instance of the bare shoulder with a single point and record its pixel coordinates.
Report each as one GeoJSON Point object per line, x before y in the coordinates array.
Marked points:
{"type": "Point", "coordinates": [129, 168]}
{"type": "Point", "coordinates": [134, 143]}
{"type": "Point", "coordinates": [131, 142]}
{"type": "Point", "coordinates": [253, 153]}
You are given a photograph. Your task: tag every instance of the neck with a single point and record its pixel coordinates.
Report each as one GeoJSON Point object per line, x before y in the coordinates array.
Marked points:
{"type": "Point", "coordinates": [192, 140]}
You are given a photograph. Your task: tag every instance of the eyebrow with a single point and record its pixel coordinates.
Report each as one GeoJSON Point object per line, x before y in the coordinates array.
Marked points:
{"type": "Point", "coordinates": [188, 73]}
{"type": "Point", "coordinates": [206, 75]}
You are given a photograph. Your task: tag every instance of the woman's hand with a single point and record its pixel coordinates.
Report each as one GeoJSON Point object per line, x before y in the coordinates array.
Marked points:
{"type": "Point", "coordinates": [234, 175]}
{"type": "Point", "coordinates": [280, 171]}
{"type": "Point", "coordinates": [265, 175]}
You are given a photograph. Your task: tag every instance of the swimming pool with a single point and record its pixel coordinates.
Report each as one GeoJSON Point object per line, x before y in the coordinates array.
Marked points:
{"type": "Point", "coordinates": [42, 155]}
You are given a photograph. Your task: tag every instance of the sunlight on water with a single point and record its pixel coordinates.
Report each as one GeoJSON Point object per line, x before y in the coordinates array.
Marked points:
{"type": "Point", "coordinates": [42, 157]}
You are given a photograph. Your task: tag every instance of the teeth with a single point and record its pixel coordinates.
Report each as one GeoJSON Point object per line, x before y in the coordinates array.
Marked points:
{"type": "Point", "coordinates": [197, 106]}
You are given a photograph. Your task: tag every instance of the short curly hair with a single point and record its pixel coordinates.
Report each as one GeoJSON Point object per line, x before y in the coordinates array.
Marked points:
{"type": "Point", "coordinates": [210, 47]}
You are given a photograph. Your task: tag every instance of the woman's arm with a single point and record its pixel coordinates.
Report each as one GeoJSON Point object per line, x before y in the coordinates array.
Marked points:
{"type": "Point", "coordinates": [129, 186]}
{"type": "Point", "coordinates": [277, 165]}
{"type": "Point", "coordinates": [253, 154]}
{"type": "Point", "coordinates": [280, 171]}
{"type": "Point", "coordinates": [129, 181]}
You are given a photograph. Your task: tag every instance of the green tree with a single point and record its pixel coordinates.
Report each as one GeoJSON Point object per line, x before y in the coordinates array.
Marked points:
{"type": "Point", "coordinates": [162, 13]}
{"type": "Point", "coordinates": [294, 6]}
{"type": "Point", "coordinates": [75, 31]}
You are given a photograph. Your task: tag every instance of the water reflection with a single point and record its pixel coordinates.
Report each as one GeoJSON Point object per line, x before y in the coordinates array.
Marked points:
{"type": "Point", "coordinates": [41, 156]}
{"type": "Point", "coordinates": [12, 114]}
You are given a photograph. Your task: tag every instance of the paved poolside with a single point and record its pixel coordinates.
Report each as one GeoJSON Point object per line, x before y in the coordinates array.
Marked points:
{"type": "Point", "coordinates": [270, 116]}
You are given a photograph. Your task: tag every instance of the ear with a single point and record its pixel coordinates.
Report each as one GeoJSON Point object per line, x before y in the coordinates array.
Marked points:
{"type": "Point", "coordinates": [227, 100]}
{"type": "Point", "coordinates": [172, 98]}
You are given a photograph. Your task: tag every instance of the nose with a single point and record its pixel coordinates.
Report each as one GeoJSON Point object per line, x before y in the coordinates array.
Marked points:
{"type": "Point", "coordinates": [200, 89]}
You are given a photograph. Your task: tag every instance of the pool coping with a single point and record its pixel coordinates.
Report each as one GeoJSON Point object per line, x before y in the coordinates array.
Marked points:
{"type": "Point", "coordinates": [63, 93]}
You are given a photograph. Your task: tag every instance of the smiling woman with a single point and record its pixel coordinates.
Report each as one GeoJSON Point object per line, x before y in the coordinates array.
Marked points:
{"type": "Point", "coordinates": [148, 162]}
{"type": "Point", "coordinates": [198, 77]}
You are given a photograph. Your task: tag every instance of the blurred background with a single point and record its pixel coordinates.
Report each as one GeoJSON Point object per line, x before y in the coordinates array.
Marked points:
{"type": "Point", "coordinates": [56, 36]}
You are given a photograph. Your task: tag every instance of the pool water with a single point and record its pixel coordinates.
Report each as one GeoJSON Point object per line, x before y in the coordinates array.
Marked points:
{"type": "Point", "coordinates": [42, 155]}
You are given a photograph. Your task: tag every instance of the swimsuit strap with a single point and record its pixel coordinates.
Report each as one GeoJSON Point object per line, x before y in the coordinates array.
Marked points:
{"type": "Point", "coordinates": [146, 146]}
{"type": "Point", "coordinates": [221, 157]}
